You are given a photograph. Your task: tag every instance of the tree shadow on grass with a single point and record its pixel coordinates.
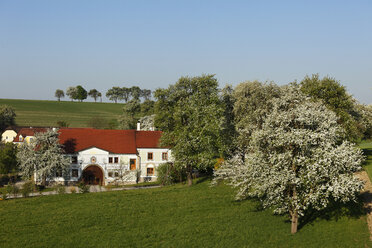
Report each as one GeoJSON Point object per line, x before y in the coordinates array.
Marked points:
{"type": "Point", "coordinates": [337, 210]}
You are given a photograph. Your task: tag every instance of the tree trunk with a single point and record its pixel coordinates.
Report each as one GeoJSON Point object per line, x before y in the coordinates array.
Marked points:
{"type": "Point", "coordinates": [294, 212]}
{"type": "Point", "coordinates": [294, 222]}
{"type": "Point", "coordinates": [189, 175]}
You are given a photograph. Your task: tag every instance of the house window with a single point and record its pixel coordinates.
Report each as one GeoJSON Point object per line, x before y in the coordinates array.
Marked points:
{"type": "Point", "coordinates": [132, 163]}
{"type": "Point", "coordinates": [59, 173]}
{"type": "Point", "coordinates": [116, 174]}
{"type": "Point", "coordinates": [74, 173]}
{"type": "Point", "coordinates": [74, 159]}
{"type": "Point", "coordinates": [150, 171]}
{"type": "Point", "coordinates": [113, 160]}
{"type": "Point", "coordinates": [164, 156]}
{"type": "Point", "coordinates": [149, 156]}
{"type": "Point", "coordinates": [110, 174]}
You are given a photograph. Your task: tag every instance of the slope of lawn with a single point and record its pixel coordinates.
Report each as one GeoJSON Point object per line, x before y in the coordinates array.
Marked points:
{"type": "Point", "coordinates": [47, 113]}
{"type": "Point", "coordinates": [367, 150]}
{"type": "Point", "coordinates": [174, 216]}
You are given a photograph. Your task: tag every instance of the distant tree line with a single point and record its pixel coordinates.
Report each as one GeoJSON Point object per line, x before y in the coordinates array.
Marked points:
{"type": "Point", "coordinates": [114, 94]}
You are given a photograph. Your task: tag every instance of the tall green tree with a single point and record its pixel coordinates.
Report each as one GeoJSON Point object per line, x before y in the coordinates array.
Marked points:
{"type": "Point", "coordinates": [125, 94]}
{"type": "Point", "coordinates": [81, 93]}
{"type": "Point", "coordinates": [8, 158]}
{"type": "Point", "coordinates": [7, 117]}
{"type": "Point", "coordinates": [295, 160]}
{"type": "Point", "coordinates": [335, 97]}
{"type": "Point", "coordinates": [114, 94]}
{"type": "Point", "coordinates": [130, 114]}
{"type": "Point", "coordinates": [135, 92]}
{"type": "Point", "coordinates": [59, 94]}
{"type": "Point", "coordinates": [43, 156]}
{"type": "Point", "coordinates": [72, 93]}
{"type": "Point", "coordinates": [94, 94]}
{"type": "Point", "coordinates": [146, 94]}
{"type": "Point", "coordinates": [191, 115]}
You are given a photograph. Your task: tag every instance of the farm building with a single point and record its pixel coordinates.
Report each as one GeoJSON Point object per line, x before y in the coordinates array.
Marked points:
{"type": "Point", "coordinates": [106, 156]}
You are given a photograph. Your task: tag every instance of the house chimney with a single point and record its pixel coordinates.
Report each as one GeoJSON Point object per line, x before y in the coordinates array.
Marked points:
{"type": "Point", "coordinates": [138, 126]}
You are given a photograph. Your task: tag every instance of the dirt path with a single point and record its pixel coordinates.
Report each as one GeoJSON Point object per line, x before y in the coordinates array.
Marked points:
{"type": "Point", "coordinates": [367, 196]}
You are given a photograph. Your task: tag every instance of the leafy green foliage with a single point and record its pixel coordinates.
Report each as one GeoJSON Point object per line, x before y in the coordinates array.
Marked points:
{"type": "Point", "coordinates": [191, 115]}
{"type": "Point", "coordinates": [335, 97]}
{"type": "Point", "coordinates": [8, 158]}
{"type": "Point", "coordinates": [114, 94]}
{"type": "Point", "coordinates": [81, 93]}
{"type": "Point", "coordinates": [7, 117]}
{"type": "Point", "coordinates": [27, 188]}
{"type": "Point", "coordinates": [169, 174]}
{"type": "Point", "coordinates": [94, 94]}
{"type": "Point", "coordinates": [59, 94]}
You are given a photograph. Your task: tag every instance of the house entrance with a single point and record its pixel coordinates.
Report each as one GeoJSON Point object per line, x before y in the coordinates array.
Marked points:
{"type": "Point", "coordinates": [93, 175]}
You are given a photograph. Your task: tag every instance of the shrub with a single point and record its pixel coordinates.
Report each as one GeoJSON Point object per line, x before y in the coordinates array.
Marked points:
{"type": "Point", "coordinates": [72, 189]}
{"type": "Point", "coordinates": [14, 190]}
{"type": "Point", "coordinates": [27, 188]}
{"type": "Point", "coordinates": [169, 174]}
{"type": "Point", "coordinates": [3, 193]}
{"type": "Point", "coordinates": [83, 188]}
{"type": "Point", "coordinates": [60, 189]}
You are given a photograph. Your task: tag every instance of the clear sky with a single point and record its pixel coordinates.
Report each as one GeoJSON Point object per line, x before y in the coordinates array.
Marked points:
{"type": "Point", "coordinates": [45, 45]}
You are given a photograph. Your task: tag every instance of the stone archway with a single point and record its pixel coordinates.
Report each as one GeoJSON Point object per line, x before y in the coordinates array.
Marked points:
{"type": "Point", "coordinates": [93, 175]}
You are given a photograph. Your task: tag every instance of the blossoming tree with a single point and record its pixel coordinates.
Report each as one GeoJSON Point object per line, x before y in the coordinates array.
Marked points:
{"type": "Point", "coordinates": [43, 156]}
{"type": "Point", "coordinates": [296, 160]}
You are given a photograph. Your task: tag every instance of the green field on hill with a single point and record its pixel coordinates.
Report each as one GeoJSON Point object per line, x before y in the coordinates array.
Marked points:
{"type": "Point", "coordinates": [173, 216]}
{"type": "Point", "coordinates": [47, 113]}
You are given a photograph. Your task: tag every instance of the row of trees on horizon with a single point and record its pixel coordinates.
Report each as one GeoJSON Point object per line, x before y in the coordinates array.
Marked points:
{"type": "Point", "coordinates": [114, 94]}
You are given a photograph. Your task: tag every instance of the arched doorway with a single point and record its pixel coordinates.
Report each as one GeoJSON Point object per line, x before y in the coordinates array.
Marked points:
{"type": "Point", "coordinates": [93, 175]}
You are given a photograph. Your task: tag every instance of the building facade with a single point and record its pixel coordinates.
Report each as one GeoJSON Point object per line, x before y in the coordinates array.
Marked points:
{"type": "Point", "coordinates": [105, 157]}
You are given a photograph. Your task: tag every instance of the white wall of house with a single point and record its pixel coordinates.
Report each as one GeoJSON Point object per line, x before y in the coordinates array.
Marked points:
{"type": "Point", "coordinates": [118, 165]}
{"type": "Point", "coordinates": [157, 159]}
{"type": "Point", "coordinates": [8, 136]}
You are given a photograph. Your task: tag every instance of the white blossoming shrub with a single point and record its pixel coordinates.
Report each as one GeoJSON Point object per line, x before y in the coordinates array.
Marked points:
{"type": "Point", "coordinates": [43, 156]}
{"type": "Point", "coordinates": [296, 160]}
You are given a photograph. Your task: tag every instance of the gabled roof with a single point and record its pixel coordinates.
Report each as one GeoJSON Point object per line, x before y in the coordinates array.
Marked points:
{"type": "Point", "coordinates": [29, 131]}
{"type": "Point", "coordinates": [114, 141]}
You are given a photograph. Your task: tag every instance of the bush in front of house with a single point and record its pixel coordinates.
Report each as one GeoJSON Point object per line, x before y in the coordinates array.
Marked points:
{"type": "Point", "coordinates": [169, 174]}
{"type": "Point", "coordinates": [83, 188]}
{"type": "Point", "coordinates": [60, 189]}
{"type": "Point", "coordinates": [27, 188]}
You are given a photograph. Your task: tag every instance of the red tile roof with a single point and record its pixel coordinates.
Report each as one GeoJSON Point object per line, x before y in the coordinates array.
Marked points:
{"type": "Point", "coordinates": [148, 139]}
{"type": "Point", "coordinates": [29, 131]}
{"type": "Point", "coordinates": [113, 141]}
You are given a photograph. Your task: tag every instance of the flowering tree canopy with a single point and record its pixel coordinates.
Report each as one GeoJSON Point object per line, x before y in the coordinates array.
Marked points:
{"type": "Point", "coordinates": [43, 155]}
{"type": "Point", "coordinates": [296, 160]}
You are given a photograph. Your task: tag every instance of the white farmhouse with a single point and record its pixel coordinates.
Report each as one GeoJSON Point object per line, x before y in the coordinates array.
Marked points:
{"type": "Point", "coordinates": [107, 156]}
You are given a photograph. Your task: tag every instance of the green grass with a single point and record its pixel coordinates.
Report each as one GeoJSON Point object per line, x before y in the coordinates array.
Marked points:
{"type": "Point", "coordinates": [367, 150]}
{"type": "Point", "coordinates": [47, 113]}
{"type": "Point", "coordinates": [174, 216]}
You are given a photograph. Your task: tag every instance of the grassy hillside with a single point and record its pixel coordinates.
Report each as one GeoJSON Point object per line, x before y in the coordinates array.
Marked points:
{"type": "Point", "coordinates": [176, 216]}
{"type": "Point", "coordinates": [47, 113]}
{"type": "Point", "coordinates": [367, 150]}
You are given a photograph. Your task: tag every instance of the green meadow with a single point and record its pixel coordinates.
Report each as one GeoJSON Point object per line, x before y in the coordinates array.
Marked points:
{"type": "Point", "coordinates": [366, 146]}
{"type": "Point", "coordinates": [47, 113]}
{"type": "Point", "coordinates": [173, 216]}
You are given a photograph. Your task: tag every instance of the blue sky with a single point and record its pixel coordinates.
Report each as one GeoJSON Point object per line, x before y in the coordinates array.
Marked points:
{"type": "Point", "coordinates": [45, 45]}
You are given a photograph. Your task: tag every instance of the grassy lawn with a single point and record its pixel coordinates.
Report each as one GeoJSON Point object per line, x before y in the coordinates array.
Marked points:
{"type": "Point", "coordinates": [367, 150]}
{"type": "Point", "coordinates": [47, 113]}
{"type": "Point", "coordinates": [174, 216]}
